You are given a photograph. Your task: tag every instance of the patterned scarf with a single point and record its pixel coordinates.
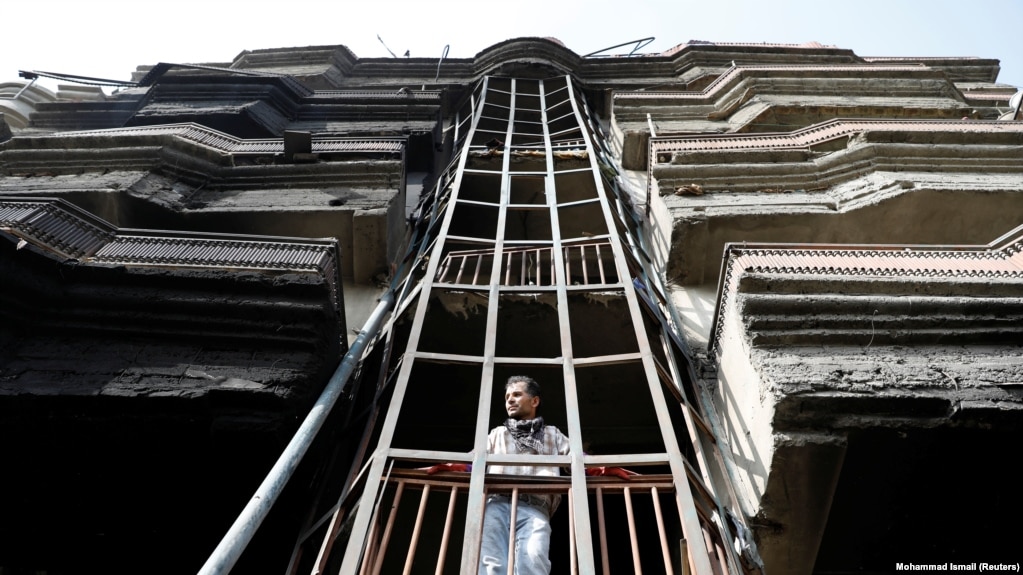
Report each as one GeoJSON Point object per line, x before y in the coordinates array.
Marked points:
{"type": "Point", "coordinates": [527, 433]}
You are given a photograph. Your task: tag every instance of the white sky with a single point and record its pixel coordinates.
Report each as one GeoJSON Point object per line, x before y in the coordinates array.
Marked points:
{"type": "Point", "coordinates": [108, 39]}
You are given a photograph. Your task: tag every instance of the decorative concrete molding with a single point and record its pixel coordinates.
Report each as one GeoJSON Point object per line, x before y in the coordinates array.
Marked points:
{"type": "Point", "coordinates": [697, 44]}
{"type": "Point", "coordinates": [987, 98]}
{"type": "Point", "coordinates": [191, 149]}
{"type": "Point", "coordinates": [960, 69]}
{"type": "Point", "coordinates": [169, 71]}
{"type": "Point", "coordinates": [19, 100]}
{"type": "Point", "coordinates": [746, 98]}
{"type": "Point", "coordinates": [809, 137]}
{"type": "Point", "coordinates": [1000, 260]}
{"type": "Point", "coordinates": [530, 51]}
{"type": "Point", "coordinates": [827, 154]}
{"type": "Point", "coordinates": [732, 76]}
{"type": "Point", "coordinates": [317, 66]}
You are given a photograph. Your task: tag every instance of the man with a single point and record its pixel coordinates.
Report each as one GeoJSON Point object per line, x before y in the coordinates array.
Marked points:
{"type": "Point", "coordinates": [523, 432]}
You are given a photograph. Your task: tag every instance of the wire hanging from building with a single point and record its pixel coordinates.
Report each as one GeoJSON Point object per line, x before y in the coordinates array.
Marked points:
{"type": "Point", "coordinates": [443, 55]}
{"type": "Point", "coordinates": [87, 80]}
{"type": "Point", "coordinates": [393, 55]}
{"type": "Point", "coordinates": [641, 43]}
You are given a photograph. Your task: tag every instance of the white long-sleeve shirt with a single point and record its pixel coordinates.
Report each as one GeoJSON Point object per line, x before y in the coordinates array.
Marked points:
{"type": "Point", "coordinates": [501, 442]}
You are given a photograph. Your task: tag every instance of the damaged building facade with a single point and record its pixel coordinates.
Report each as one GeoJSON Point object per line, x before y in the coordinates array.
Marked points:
{"type": "Point", "coordinates": [783, 283]}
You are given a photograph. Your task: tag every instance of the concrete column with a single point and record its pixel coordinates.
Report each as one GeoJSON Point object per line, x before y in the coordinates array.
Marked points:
{"type": "Point", "coordinates": [800, 487]}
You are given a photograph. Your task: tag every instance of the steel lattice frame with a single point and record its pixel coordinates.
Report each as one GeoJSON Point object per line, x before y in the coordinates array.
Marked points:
{"type": "Point", "coordinates": [496, 121]}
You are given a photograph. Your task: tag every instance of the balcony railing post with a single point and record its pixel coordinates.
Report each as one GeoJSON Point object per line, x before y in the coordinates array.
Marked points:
{"type": "Point", "coordinates": [602, 527]}
{"type": "Point", "coordinates": [660, 530]}
{"type": "Point", "coordinates": [448, 519]}
{"type": "Point", "coordinates": [573, 568]}
{"type": "Point", "coordinates": [511, 530]}
{"type": "Point", "coordinates": [416, 530]}
{"type": "Point", "coordinates": [633, 538]}
{"type": "Point", "coordinates": [387, 530]}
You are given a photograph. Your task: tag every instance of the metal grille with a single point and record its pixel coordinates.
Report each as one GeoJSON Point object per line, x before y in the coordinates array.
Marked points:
{"type": "Point", "coordinates": [585, 264]}
{"type": "Point", "coordinates": [418, 95]}
{"type": "Point", "coordinates": [47, 224]}
{"type": "Point", "coordinates": [529, 207]}
{"type": "Point", "coordinates": [59, 227]}
{"type": "Point", "coordinates": [1000, 259]}
{"type": "Point", "coordinates": [1006, 261]}
{"type": "Point", "coordinates": [630, 518]}
{"type": "Point", "coordinates": [228, 144]}
{"type": "Point", "coordinates": [208, 252]}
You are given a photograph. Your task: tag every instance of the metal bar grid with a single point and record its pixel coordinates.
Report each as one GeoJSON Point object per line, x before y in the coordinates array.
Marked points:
{"type": "Point", "coordinates": [699, 554]}
{"type": "Point", "coordinates": [532, 266]}
{"type": "Point", "coordinates": [400, 486]}
{"type": "Point", "coordinates": [225, 143]}
{"type": "Point", "coordinates": [584, 544]}
{"type": "Point", "coordinates": [442, 220]}
{"type": "Point", "coordinates": [509, 266]}
{"type": "Point", "coordinates": [820, 133]}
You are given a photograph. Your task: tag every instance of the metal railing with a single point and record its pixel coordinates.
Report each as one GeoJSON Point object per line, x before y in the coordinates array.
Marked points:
{"type": "Point", "coordinates": [588, 263]}
{"type": "Point", "coordinates": [417, 517]}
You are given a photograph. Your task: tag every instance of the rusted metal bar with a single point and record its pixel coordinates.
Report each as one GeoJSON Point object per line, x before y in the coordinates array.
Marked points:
{"type": "Point", "coordinates": [476, 500]}
{"type": "Point", "coordinates": [387, 530]}
{"type": "Point", "coordinates": [660, 531]}
{"type": "Point", "coordinates": [708, 540]}
{"type": "Point", "coordinates": [683, 547]}
{"type": "Point", "coordinates": [722, 556]}
{"type": "Point", "coordinates": [511, 530]}
{"type": "Point", "coordinates": [602, 528]}
{"type": "Point", "coordinates": [507, 268]}
{"type": "Point", "coordinates": [633, 538]}
{"type": "Point", "coordinates": [371, 549]}
{"type": "Point", "coordinates": [444, 269]}
{"type": "Point", "coordinates": [573, 566]}
{"type": "Point", "coordinates": [578, 471]}
{"type": "Point", "coordinates": [539, 260]}
{"type": "Point", "coordinates": [582, 261]}
{"type": "Point", "coordinates": [550, 271]}
{"type": "Point", "coordinates": [448, 519]}
{"type": "Point", "coordinates": [476, 272]}
{"type": "Point", "coordinates": [416, 530]}
{"type": "Point", "coordinates": [600, 264]}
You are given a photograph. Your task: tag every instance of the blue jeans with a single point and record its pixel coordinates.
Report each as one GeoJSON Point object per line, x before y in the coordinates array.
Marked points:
{"type": "Point", "coordinates": [532, 538]}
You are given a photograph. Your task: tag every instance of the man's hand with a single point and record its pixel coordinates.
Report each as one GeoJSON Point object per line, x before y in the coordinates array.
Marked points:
{"type": "Point", "coordinates": [620, 472]}
{"type": "Point", "coordinates": [462, 467]}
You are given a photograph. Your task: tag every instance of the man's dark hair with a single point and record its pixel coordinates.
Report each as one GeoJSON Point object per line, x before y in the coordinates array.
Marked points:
{"type": "Point", "coordinates": [532, 387]}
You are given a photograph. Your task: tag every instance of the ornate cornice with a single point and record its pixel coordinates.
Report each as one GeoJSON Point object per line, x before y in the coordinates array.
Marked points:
{"type": "Point", "coordinates": [819, 134]}
{"type": "Point", "coordinates": [819, 156]}
{"type": "Point", "coordinates": [733, 75]}
{"type": "Point", "coordinates": [193, 151]}
{"type": "Point", "coordinates": [1002, 259]}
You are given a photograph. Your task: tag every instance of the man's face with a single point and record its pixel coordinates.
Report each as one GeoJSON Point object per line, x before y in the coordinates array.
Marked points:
{"type": "Point", "coordinates": [518, 403]}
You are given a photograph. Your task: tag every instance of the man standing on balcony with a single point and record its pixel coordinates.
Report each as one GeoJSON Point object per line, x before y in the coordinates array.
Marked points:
{"type": "Point", "coordinates": [523, 432]}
